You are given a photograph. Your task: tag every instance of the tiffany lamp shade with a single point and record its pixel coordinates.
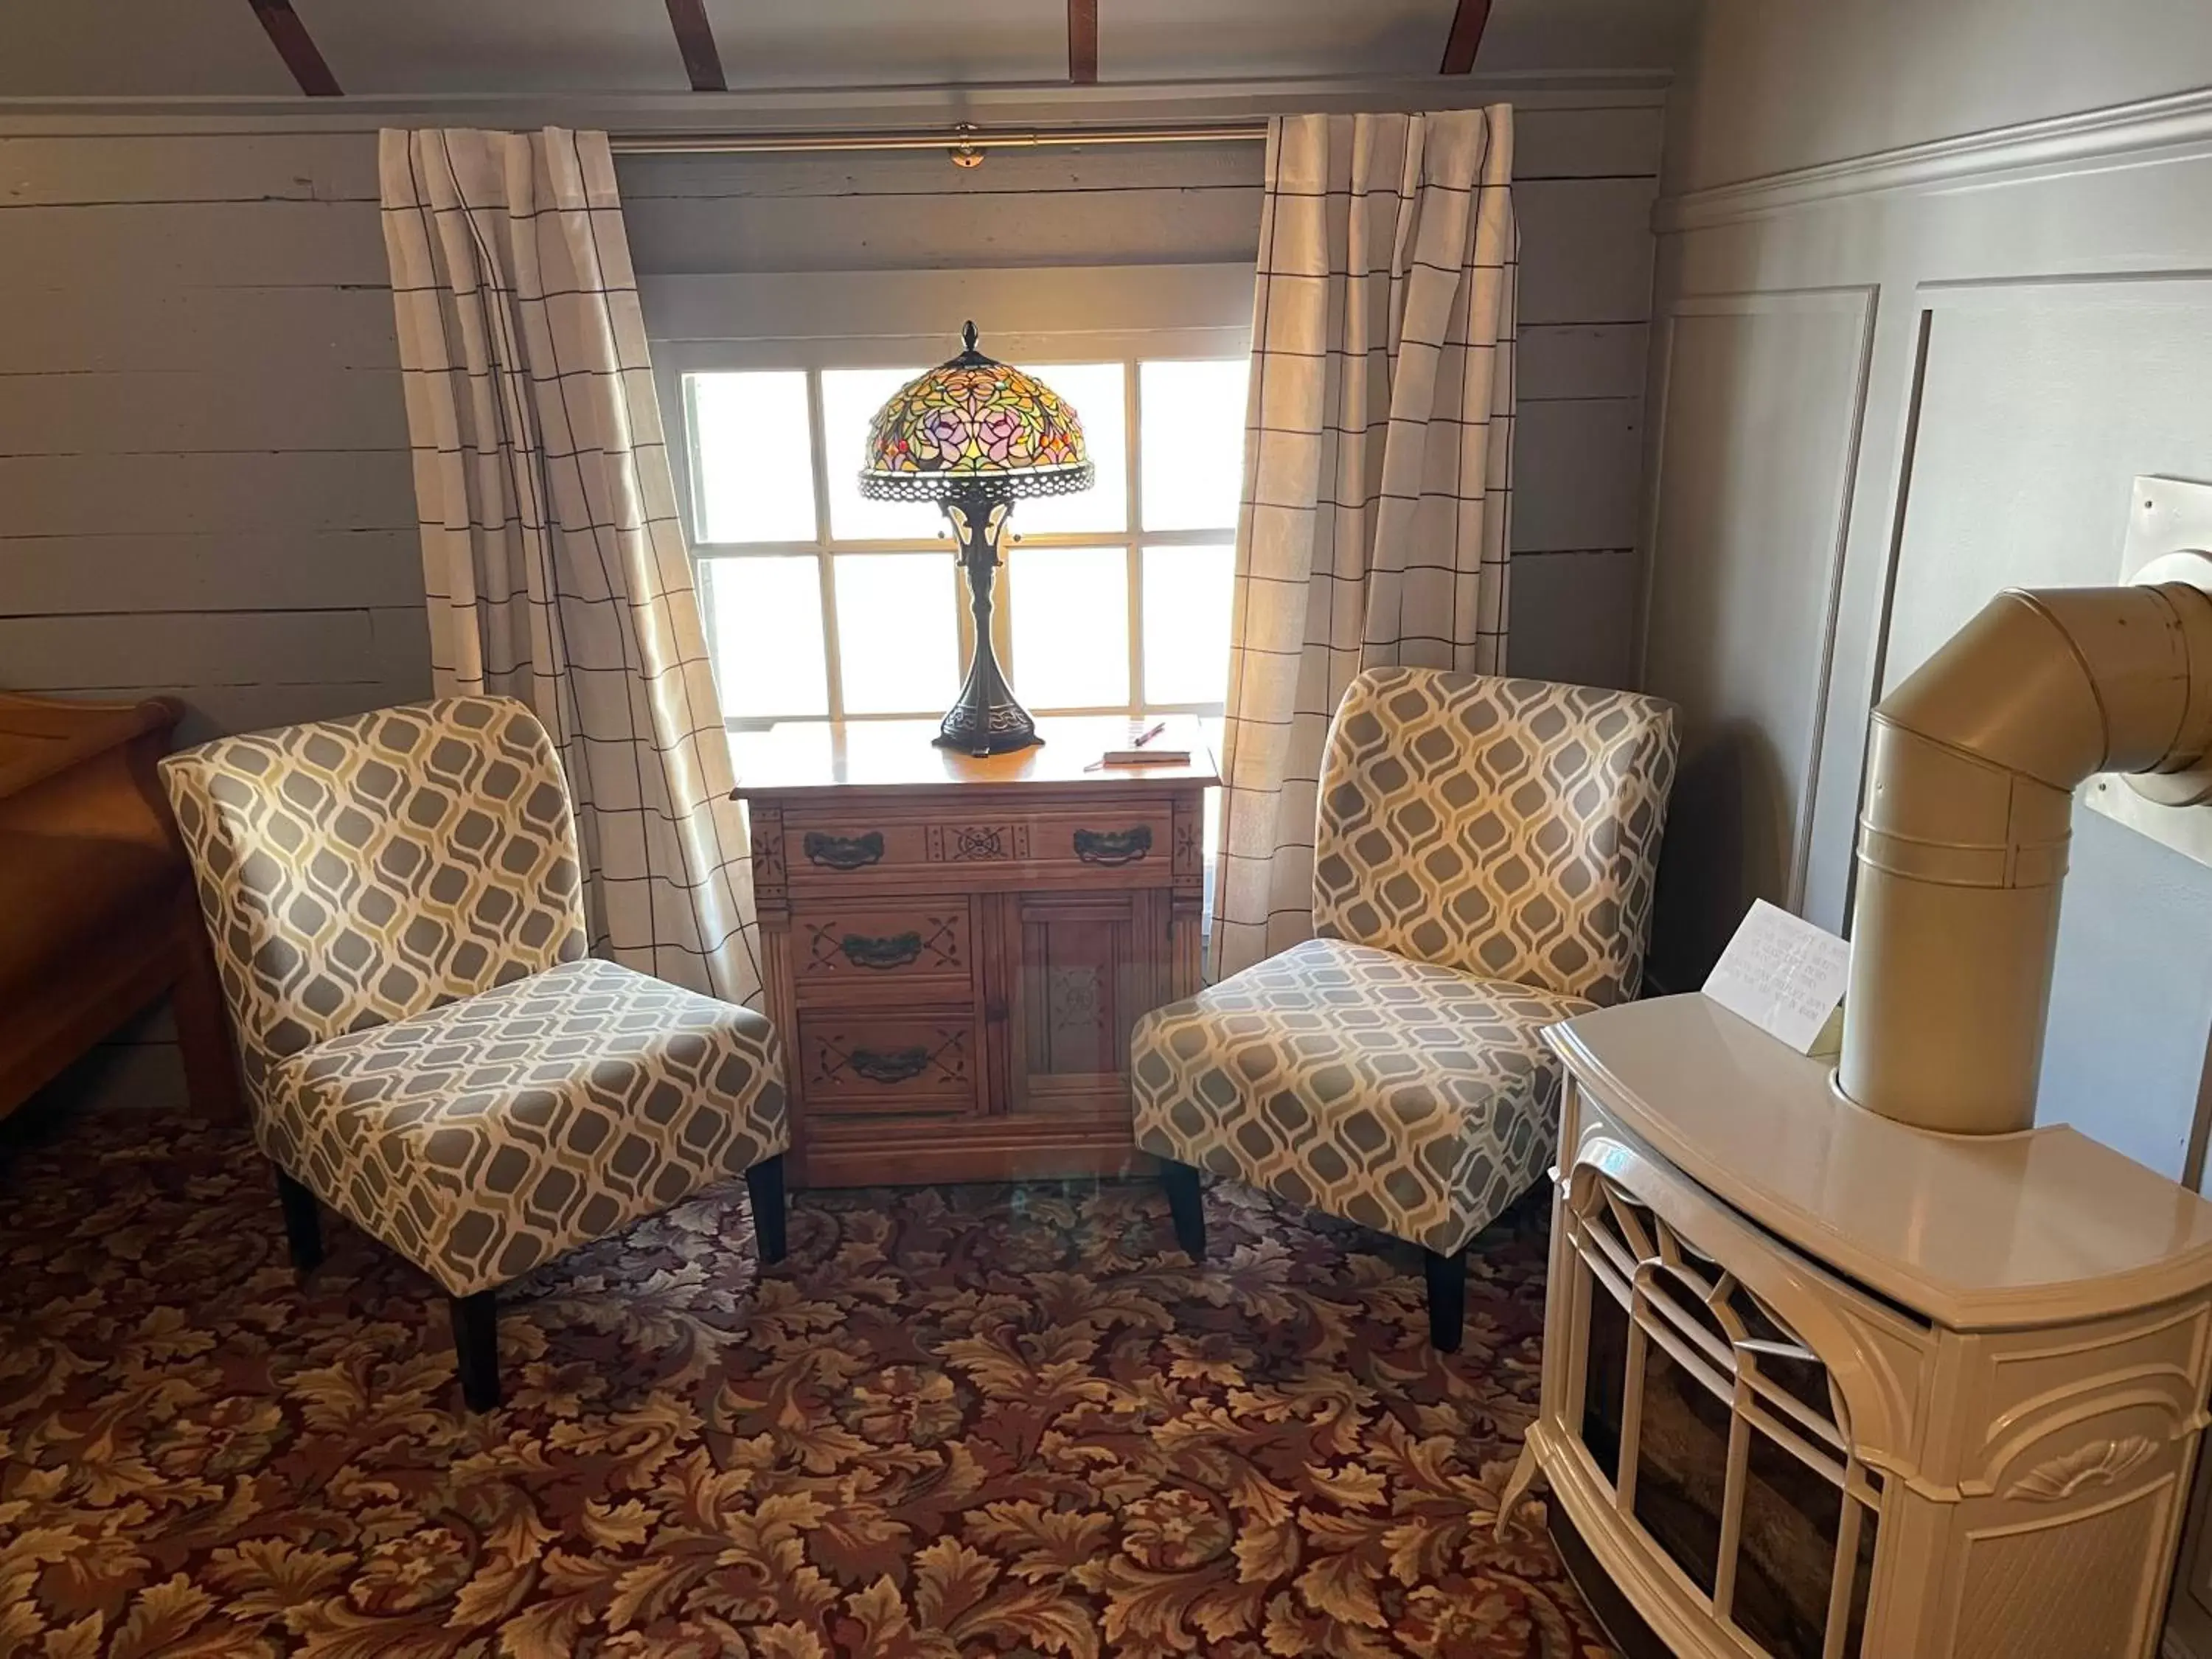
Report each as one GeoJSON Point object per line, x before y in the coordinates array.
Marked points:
{"type": "Point", "coordinates": [975, 435]}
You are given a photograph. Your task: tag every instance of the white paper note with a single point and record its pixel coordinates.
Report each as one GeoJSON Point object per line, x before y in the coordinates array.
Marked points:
{"type": "Point", "coordinates": [1783, 974]}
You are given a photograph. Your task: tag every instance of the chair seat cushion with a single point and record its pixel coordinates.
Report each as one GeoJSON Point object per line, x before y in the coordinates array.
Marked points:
{"type": "Point", "coordinates": [1414, 1099]}
{"type": "Point", "coordinates": [489, 1134]}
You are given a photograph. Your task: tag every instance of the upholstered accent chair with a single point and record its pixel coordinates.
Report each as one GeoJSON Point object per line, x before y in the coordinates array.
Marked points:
{"type": "Point", "coordinates": [1483, 864]}
{"type": "Point", "coordinates": [395, 903]}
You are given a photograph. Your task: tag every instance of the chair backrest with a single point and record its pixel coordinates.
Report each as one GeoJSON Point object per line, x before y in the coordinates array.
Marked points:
{"type": "Point", "coordinates": [356, 871]}
{"type": "Point", "coordinates": [1507, 827]}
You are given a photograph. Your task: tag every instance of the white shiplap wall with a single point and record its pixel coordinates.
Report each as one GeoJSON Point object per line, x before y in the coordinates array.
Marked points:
{"type": "Point", "coordinates": [204, 480]}
{"type": "Point", "coordinates": [203, 476]}
{"type": "Point", "coordinates": [1586, 180]}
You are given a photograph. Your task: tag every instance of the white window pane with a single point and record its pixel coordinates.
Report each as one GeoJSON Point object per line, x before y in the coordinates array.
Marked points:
{"type": "Point", "coordinates": [752, 457]}
{"type": "Point", "coordinates": [898, 633]}
{"type": "Point", "coordinates": [1095, 392]}
{"type": "Point", "coordinates": [1187, 595]}
{"type": "Point", "coordinates": [1192, 442]}
{"type": "Point", "coordinates": [1071, 626]}
{"type": "Point", "coordinates": [850, 399]}
{"type": "Point", "coordinates": [764, 616]}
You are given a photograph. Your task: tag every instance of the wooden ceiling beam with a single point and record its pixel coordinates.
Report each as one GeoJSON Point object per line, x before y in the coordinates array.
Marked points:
{"type": "Point", "coordinates": [1083, 42]}
{"type": "Point", "coordinates": [694, 39]}
{"type": "Point", "coordinates": [1466, 37]}
{"type": "Point", "coordinates": [296, 47]}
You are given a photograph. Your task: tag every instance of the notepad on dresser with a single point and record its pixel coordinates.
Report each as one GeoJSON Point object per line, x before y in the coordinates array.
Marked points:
{"type": "Point", "coordinates": [1151, 742]}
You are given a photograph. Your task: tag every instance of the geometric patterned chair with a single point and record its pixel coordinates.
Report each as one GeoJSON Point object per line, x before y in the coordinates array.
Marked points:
{"type": "Point", "coordinates": [1483, 864]}
{"type": "Point", "coordinates": [395, 903]}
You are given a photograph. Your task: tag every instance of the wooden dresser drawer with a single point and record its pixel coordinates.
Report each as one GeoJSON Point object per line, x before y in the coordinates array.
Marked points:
{"type": "Point", "coordinates": [902, 1063]}
{"type": "Point", "coordinates": [848, 852]}
{"type": "Point", "coordinates": [918, 951]}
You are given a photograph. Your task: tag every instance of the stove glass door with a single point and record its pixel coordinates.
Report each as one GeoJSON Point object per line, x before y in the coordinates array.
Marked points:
{"type": "Point", "coordinates": [1722, 1434]}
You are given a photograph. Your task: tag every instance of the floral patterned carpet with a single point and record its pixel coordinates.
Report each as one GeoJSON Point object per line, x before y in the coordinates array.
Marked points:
{"type": "Point", "coordinates": [983, 1421]}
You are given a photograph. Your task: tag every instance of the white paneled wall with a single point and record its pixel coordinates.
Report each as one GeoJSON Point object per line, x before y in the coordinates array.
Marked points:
{"type": "Point", "coordinates": [1887, 386]}
{"type": "Point", "coordinates": [1932, 294]}
{"type": "Point", "coordinates": [1760, 395]}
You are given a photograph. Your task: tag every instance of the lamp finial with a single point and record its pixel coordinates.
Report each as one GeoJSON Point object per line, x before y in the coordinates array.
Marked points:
{"type": "Point", "coordinates": [968, 334]}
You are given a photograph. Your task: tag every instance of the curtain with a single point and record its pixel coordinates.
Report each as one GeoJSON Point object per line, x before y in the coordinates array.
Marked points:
{"type": "Point", "coordinates": [1378, 451]}
{"type": "Point", "coordinates": [552, 553]}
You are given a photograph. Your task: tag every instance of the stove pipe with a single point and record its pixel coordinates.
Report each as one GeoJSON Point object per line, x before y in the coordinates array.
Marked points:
{"type": "Point", "coordinates": [1972, 768]}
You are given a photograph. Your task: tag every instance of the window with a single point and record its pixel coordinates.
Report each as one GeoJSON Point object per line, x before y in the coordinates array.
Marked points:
{"type": "Point", "coordinates": [820, 604]}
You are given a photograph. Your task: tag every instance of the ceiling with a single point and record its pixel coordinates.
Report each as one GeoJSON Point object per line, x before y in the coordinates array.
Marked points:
{"type": "Point", "coordinates": [254, 48]}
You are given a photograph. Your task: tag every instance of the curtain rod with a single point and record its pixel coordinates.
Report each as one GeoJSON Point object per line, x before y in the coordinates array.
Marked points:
{"type": "Point", "coordinates": [961, 140]}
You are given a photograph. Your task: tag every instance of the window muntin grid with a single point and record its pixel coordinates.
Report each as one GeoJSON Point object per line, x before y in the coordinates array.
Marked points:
{"type": "Point", "coordinates": [1154, 589]}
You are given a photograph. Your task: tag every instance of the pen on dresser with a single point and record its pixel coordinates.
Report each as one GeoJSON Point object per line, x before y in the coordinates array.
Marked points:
{"type": "Point", "coordinates": [1144, 737]}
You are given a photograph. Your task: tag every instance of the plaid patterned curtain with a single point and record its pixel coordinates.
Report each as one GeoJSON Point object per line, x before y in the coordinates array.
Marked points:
{"type": "Point", "coordinates": [552, 550]}
{"type": "Point", "coordinates": [1378, 449]}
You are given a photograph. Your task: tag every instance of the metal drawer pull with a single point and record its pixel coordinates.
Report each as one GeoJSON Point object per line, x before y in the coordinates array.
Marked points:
{"type": "Point", "coordinates": [897, 1066]}
{"type": "Point", "coordinates": [880, 954]}
{"type": "Point", "coordinates": [1113, 846]}
{"type": "Point", "coordinates": [844, 852]}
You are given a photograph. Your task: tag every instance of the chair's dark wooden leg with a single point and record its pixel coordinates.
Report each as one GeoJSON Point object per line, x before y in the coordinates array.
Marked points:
{"type": "Point", "coordinates": [1180, 1183]}
{"type": "Point", "coordinates": [476, 1348]}
{"type": "Point", "coordinates": [764, 1186]}
{"type": "Point", "coordinates": [1447, 1277]}
{"type": "Point", "coordinates": [303, 1223]}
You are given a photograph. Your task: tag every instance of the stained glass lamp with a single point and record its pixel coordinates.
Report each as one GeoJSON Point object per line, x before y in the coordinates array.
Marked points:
{"type": "Point", "coordinates": [975, 435]}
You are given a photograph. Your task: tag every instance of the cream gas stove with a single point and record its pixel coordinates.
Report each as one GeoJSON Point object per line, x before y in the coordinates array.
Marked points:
{"type": "Point", "coordinates": [1818, 1385]}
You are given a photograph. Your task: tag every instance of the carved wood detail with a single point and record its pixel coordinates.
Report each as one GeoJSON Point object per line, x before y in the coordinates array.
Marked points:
{"type": "Point", "coordinates": [971, 843]}
{"type": "Point", "coordinates": [771, 874]}
{"type": "Point", "coordinates": [927, 942]}
{"type": "Point", "coordinates": [1187, 858]}
{"type": "Point", "coordinates": [859, 1057]}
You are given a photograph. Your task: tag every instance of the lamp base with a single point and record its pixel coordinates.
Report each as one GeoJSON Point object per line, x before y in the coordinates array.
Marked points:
{"type": "Point", "coordinates": [1000, 732]}
{"type": "Point", "coordinates": [986, 720]}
